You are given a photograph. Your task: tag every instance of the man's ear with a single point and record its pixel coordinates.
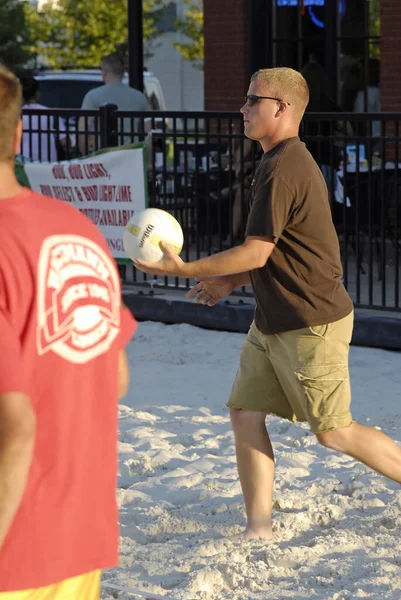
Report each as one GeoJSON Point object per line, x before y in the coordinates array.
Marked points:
{"type": "Point", "coordinates": [282, 107]}
{"type": "Point", "coordinates": [18, 137]}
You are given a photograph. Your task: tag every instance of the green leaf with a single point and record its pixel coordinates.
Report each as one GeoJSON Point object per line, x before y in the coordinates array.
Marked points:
{"type": "Point", "coordinates": [191, 26]}
{"type": "Point", "coordinates": [15, 41]}
{"type": "Point", "coordinates": [79, 33]}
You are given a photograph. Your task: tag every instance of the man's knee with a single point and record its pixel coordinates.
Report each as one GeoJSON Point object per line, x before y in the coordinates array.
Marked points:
{"type": "Point", "coordinates": [336, 439]}
{"type": "Point", "coordinates": [246, 420]}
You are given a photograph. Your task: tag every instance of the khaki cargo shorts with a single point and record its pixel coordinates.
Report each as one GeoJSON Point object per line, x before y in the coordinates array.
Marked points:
{"type": "Point", "coordinates": [300, 375]}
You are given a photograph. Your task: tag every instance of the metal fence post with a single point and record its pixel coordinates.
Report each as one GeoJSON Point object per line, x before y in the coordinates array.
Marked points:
{"type": "Point", "coordinates": [108, 126]}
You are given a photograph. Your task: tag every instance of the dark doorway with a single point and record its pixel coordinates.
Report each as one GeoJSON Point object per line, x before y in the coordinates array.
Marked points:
{"type": "Point", "coordinates": [342, 35]}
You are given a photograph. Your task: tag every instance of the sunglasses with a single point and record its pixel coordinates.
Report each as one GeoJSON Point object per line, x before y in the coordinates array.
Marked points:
{"type": "Point", "coordinates": [250, 99]}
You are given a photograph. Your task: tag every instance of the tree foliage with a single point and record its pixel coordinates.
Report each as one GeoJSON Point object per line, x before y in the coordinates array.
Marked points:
{"type": "Point", "coordinates": [191, 26]}
{"type": "Point", "coordinates": [81, 32]}
{"type": "Point", "coordinates": [14, 36]}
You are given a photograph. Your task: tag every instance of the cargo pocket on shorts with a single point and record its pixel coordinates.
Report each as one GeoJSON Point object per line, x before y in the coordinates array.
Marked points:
{"type": "Point", "coordinates": [324, 389]}
{"type": "Point", "coordinates": [319, 330]}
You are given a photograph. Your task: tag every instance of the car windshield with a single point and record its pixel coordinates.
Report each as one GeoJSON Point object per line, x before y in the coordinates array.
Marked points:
{"type": "Point", "coordinates": [64, 93]}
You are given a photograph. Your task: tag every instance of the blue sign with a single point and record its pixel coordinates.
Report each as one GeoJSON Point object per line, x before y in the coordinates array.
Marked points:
{"type": "Point", "coordinates": [295, 2]}
{"type": "Point", "coordinates": [310, 4]}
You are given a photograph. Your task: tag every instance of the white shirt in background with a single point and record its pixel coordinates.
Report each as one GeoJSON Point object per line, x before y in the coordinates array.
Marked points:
{"type": "Point", "coordinates": [373, 105]}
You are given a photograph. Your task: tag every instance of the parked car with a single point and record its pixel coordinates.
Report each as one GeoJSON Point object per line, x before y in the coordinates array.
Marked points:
{"type": "Point", "coordinates": [67, 88]}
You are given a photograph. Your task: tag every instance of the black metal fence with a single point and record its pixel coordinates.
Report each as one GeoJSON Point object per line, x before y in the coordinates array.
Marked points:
{"type": "Point", "coordinates": [200, 167]}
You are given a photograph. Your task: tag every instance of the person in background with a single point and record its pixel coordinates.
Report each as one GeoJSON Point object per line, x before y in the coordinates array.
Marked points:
{"type": "Point", "coordinates": [63, 366]}
{"type": "Point", "coordinates": [244, 164]}
{"type": "Point", "coordinates": [326, 150]}
{"type": "Point", "coordinates": [41, 133]}
{"type": "Point", "coordinates": [372, 97]}
{"type": "Point", "coordinates": [322, 150]}
{"type": "Point", "coordinates": [114, 91]}
{"type": "Point", "coordinates": [351, 81]}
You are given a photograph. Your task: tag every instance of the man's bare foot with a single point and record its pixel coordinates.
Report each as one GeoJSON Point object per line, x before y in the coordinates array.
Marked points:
{"type": "Point", "coordinates": [252, 534]}
{"type": "Point", "coordinates": [260, 532]}
{"type": "Point", "coordinates": [210, 547]}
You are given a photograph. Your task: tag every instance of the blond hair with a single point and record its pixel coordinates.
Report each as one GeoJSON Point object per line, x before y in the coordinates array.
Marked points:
{"type": "Point", "coordinates": [286, 84]}
{"type": "Point", "coordinates": [10, 112]}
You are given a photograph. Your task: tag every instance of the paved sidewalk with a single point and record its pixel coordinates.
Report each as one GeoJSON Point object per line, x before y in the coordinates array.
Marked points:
{"type": "Point", "coordinates": [375, 328]}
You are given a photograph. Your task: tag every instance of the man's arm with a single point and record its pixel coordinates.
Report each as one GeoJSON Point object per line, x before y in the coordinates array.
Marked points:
{"type": "Point", "coordinates": [17, 438]}
{"type": "Point", "coordinates": [271, 209]}
{"type": "Point", "coordinates": [123, 374]}
{"type": "Point", "coordinates": [240, 279]}
{"type": "Point", "coordinates": [210, 290]}
{"type": "Point", "coordinates": [252, 254]}
{"type": "Point", "coordinates": [128, 327]}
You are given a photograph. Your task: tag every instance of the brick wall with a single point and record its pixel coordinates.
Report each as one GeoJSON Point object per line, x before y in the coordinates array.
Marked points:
{"type": "Point", "coordinates": [226, 53]}
{"type": "Point", "coordinates": [390, 77]}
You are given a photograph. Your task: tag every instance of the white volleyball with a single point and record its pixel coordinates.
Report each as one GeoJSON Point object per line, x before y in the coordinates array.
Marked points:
{"type": "Point", "coordinates": [146, 229]}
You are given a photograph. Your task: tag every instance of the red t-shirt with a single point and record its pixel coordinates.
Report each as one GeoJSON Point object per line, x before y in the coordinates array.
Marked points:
{"type": "Point", "coordinates": [61, 329]}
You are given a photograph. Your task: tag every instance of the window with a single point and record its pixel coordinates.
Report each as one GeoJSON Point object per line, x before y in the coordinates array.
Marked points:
{"type": "Point", "coordinates": [298, 30]}
{"type": "Point", "coordinates": [343, 36]}
{"type": "Point", "coordinates": [359, 42]}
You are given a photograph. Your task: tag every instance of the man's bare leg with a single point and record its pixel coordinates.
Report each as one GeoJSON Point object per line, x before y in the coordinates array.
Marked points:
{"type": "Point", "coordinates": [370, 446]}
{"type": "Point", "coordinates": [255, 461]}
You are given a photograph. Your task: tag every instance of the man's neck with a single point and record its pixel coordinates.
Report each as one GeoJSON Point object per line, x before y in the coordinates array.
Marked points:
{"type": "Point", "coordinates": [270, 142]}
{"type": "Point", "coordinates": [112, 80]}
{"type": "Point", "coordinates": [9, 185]}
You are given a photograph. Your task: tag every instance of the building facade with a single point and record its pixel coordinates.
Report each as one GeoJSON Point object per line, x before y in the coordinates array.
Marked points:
{"type": "Point", "coordinates": [181, 80]}
{"type": "Point", "coordinates": [357, 42]}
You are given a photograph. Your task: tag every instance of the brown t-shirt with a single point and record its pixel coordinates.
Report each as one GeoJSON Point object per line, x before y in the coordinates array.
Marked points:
{"type": "Point", "coordinates": [300, 285]}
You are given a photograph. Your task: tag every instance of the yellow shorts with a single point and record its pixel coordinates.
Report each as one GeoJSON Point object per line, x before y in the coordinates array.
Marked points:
{"type": "Point", "coordinates": [83, 587]}
{"type": "Point", "coordinates": [300, 375]}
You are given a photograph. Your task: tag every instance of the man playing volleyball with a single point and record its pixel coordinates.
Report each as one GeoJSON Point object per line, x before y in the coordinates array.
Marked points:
{"type": "Point", "coordinates": [294, 362]}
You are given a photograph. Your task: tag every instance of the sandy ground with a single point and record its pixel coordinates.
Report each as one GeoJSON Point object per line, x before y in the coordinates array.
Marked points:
{"type": "Point", "coordinates": [336, 523]}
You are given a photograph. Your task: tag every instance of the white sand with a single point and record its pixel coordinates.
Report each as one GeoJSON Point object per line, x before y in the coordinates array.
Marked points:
{"type": "Point", "coordinates": [337, 524]}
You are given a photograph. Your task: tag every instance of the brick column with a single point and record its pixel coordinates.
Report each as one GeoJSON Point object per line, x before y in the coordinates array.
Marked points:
{"type": "Point", "coordinates": [226, 53]}
{"type": "Point", "coordinates": [390, 76]}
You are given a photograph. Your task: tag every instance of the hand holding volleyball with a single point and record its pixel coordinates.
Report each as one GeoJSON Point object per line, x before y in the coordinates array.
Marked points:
{"type": "Point", "coordinates": [153, 238]}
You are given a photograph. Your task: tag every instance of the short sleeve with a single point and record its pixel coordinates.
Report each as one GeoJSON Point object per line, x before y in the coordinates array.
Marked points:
{"type": "Point", "coordinates": [128, 326]}
{"type": "Point", "coordinates": [87, 103]}
{"type": "Point", "coordinates": [272, 203]}
{"type": "Point", "coordinates": [12, 375]}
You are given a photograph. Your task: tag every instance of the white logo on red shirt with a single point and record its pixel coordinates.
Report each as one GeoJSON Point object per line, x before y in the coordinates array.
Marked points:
{"type": "Point", "coordinates": [78, 299]}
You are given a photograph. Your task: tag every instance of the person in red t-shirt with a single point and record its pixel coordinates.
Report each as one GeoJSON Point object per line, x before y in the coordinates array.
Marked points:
{"type": "Point", "coordinates": [62, 369]}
